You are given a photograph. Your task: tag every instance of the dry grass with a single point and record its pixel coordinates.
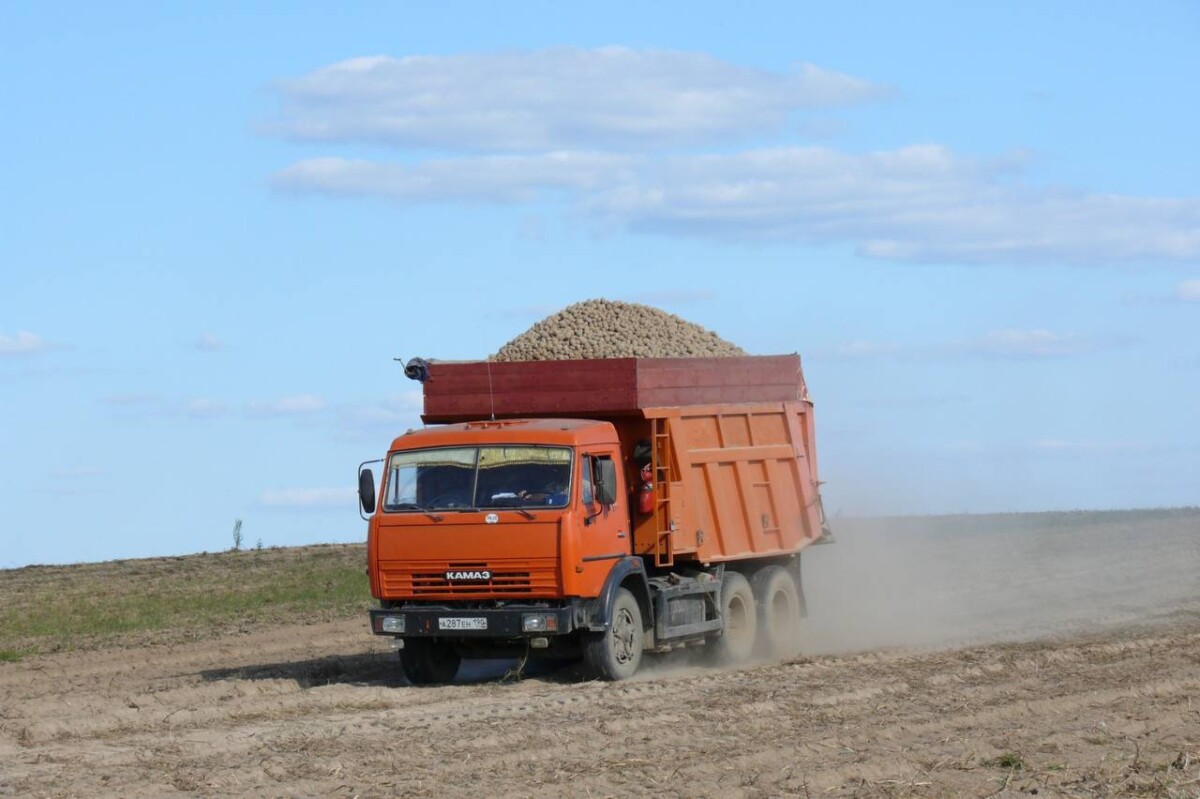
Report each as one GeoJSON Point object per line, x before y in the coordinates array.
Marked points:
{"type": "Point", "coordinates": [53, 608]}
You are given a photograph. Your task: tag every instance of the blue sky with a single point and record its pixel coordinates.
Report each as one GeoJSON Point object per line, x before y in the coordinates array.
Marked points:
{"type": "Point", "coordinates": [980, 228]}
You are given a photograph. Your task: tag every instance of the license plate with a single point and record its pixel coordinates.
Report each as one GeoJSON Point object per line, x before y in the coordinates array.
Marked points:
{"type": "Point", "coordinates": [462, 624]}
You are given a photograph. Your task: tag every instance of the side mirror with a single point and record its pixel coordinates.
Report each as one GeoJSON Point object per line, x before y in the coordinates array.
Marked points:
{"type": "Point", "coordinates": [606, 481]}
{"type": "Point", "coordinates": [366, 490]}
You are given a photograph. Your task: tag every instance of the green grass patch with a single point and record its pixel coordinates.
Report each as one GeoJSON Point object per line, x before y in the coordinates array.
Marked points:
{"type": "Point", "coordinates": [51, 608]}
{"type": "Point", "coordinates": [9, 656]}
{"type": "Point", "coordinates": [1009, 760]}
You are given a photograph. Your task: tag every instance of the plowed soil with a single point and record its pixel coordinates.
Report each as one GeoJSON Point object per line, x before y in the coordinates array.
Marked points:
{"type": "Point", "coordinates": [1075, 675]}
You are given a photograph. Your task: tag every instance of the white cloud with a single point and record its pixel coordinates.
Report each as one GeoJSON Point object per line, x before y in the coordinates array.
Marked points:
{"type": "Point", "coordinates": [497, 178]}
{"type": "Point", "coordinates": [612, 97]}
{"type": "Point", "coordinates": [298, 405]}
{"type": "Point", "coordinates": [149, 404]}
{"type": "Point", "coordinates": [604, 131]}
{"type": "Point", "coordinates": [922, 203]}
{"type": "Point", "coordinates": [377, 420]}
{"type": "Point", "coordinates": [1018, 343]}
{"type": "Point", "coordinates": [1188, 290]}
{"type": "Point", "coordinates": [202, 408]}
{"type": "Point", "coordinates": [919, 203]}
{"type": "Point", "coordinates": [23, 343]}
{"type": "Point", "coordinates": [207, 342]}
{"type": "Point", "coordinates": [308, 498]}
{"type": "Point", "coordinates": [403, 408]}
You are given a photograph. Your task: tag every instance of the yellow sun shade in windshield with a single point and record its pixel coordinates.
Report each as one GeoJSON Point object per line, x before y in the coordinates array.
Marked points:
{"type": "Point", "coordinates": [508, 456]}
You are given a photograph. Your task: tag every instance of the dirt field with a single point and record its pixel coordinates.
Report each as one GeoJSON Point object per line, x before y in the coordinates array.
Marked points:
{"type": "Point", "coordinates": [1092, 690]}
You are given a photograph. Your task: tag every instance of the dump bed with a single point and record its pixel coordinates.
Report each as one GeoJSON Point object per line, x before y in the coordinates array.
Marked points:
{"type": "Point", "coordinates": [731, 442]}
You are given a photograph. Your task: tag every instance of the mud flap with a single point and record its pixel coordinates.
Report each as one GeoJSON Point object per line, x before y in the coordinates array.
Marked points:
{"type": "Point", "coordinates": [599, 613]}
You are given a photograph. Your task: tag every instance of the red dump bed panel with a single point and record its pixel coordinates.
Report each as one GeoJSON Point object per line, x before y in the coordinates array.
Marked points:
{"type": "Point", "coordinates": [611, 387]}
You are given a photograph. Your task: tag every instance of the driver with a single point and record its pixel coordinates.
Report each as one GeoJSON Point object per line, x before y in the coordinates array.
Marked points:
{"type": "Point", "coordinates": [553, 493]}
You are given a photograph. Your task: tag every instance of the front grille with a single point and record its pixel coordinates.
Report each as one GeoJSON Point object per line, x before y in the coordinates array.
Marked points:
{"type": "Point", "coordinates": [524, 578]}
{"type": "Point", "coordinates": [503, 582]}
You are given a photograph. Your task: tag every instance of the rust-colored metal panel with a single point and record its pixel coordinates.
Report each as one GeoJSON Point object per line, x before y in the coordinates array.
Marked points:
{"type": "Point", "coordinates": [748, 477]}
{"type": "Point", "coordinates": [603, 388]}
{"type": "Point", "coordinates": [457, 392]}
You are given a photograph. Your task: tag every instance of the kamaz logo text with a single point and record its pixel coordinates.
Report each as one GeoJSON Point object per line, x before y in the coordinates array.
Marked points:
{"type": "Point", "coordinates": [484, 575]}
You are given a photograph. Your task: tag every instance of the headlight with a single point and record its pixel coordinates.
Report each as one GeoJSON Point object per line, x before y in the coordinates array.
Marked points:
{"type": "Point", "coordinates": [539, 623]}
{"type": "Point", "coordinates": [393, 624]}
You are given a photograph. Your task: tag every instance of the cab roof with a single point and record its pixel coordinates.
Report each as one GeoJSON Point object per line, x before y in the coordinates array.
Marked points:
{"type": "Point", "coordinates": [560, 432]}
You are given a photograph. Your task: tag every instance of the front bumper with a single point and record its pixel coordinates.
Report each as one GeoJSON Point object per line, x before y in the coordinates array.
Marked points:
{"type": "Point", "coordinates": [450, 622]}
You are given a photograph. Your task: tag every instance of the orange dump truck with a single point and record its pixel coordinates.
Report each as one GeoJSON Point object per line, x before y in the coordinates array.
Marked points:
{"type": "Point", "coordinates": [597, 509]}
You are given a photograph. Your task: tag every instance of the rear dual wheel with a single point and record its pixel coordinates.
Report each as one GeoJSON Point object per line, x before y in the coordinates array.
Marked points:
{"type": "Point", "coordinates": [779, 616]}
{"type": "Point", "coordinates": [736, 642]}
{"type": "Point", "coordinates": [762, 616]}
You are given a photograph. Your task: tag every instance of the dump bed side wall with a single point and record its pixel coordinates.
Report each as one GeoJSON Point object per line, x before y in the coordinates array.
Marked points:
{"type": "Point", "coordinates": [603, 388]}
{"type": "Point", "coordinates": [743, 481]}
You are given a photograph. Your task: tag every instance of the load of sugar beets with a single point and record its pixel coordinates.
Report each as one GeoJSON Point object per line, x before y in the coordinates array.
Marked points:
{"type": "Point", "coordinates": [614, 509]}
{"type": "Point", "coordinates": [612, 329]}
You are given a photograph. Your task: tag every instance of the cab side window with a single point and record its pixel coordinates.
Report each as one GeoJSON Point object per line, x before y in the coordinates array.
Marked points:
{"type": "Point", "coordinates": [593, 470]}
{"type": "Point", "coordinates": [588, 466]}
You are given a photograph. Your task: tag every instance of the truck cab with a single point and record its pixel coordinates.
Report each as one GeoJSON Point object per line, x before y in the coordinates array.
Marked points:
{"type": "Point", "coordinates": [494, 536]}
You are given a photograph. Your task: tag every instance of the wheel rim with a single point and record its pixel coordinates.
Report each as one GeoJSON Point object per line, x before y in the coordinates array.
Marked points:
{"type": "Point", "coordinates": [624, 637]}
{"type": "Point", "coordinates": [737, 624]}
{"type": "Point", "coordinates": [781, 616]}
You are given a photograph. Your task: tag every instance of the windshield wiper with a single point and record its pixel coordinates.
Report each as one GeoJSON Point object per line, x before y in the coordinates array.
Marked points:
{"type": "Point", "coordinates": [511, 503]}
{"type": "Point", "coordinates": [414, 506]}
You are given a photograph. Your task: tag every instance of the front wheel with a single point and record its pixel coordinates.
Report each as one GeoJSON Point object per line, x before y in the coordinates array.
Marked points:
{"type": "Point", "coordinates": [425, 661]}
{"type": "Point", "coordinates": [616, 653]}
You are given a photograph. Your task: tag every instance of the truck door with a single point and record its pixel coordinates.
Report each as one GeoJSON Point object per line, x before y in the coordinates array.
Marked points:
{"type": "Point", "coordinates": [606, 532]}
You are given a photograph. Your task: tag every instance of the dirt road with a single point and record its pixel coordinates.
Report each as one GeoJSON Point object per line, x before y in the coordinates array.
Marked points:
{"type": "Point", "coordinates": [1106, 708]}
{"type": "Point", "coordinates": [316, 711]}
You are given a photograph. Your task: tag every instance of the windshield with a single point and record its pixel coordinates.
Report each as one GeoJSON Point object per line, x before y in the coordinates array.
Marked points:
{"type": "Point", "coordinates": [450, 478]}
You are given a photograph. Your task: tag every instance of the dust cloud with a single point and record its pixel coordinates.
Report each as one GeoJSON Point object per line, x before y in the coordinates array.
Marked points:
{"type": "Point", "coordinates": [949, 580]}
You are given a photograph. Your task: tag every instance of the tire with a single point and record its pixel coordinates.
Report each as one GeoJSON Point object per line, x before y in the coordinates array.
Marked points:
{"type": "Point", "coordinates": [616, 653]}
{"type": "Point", "coordinates": [426, 661]}
{"type": "Point", "coordinates": [736, 642]}
{"type": "Point", "coordinates": [778, 602]}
